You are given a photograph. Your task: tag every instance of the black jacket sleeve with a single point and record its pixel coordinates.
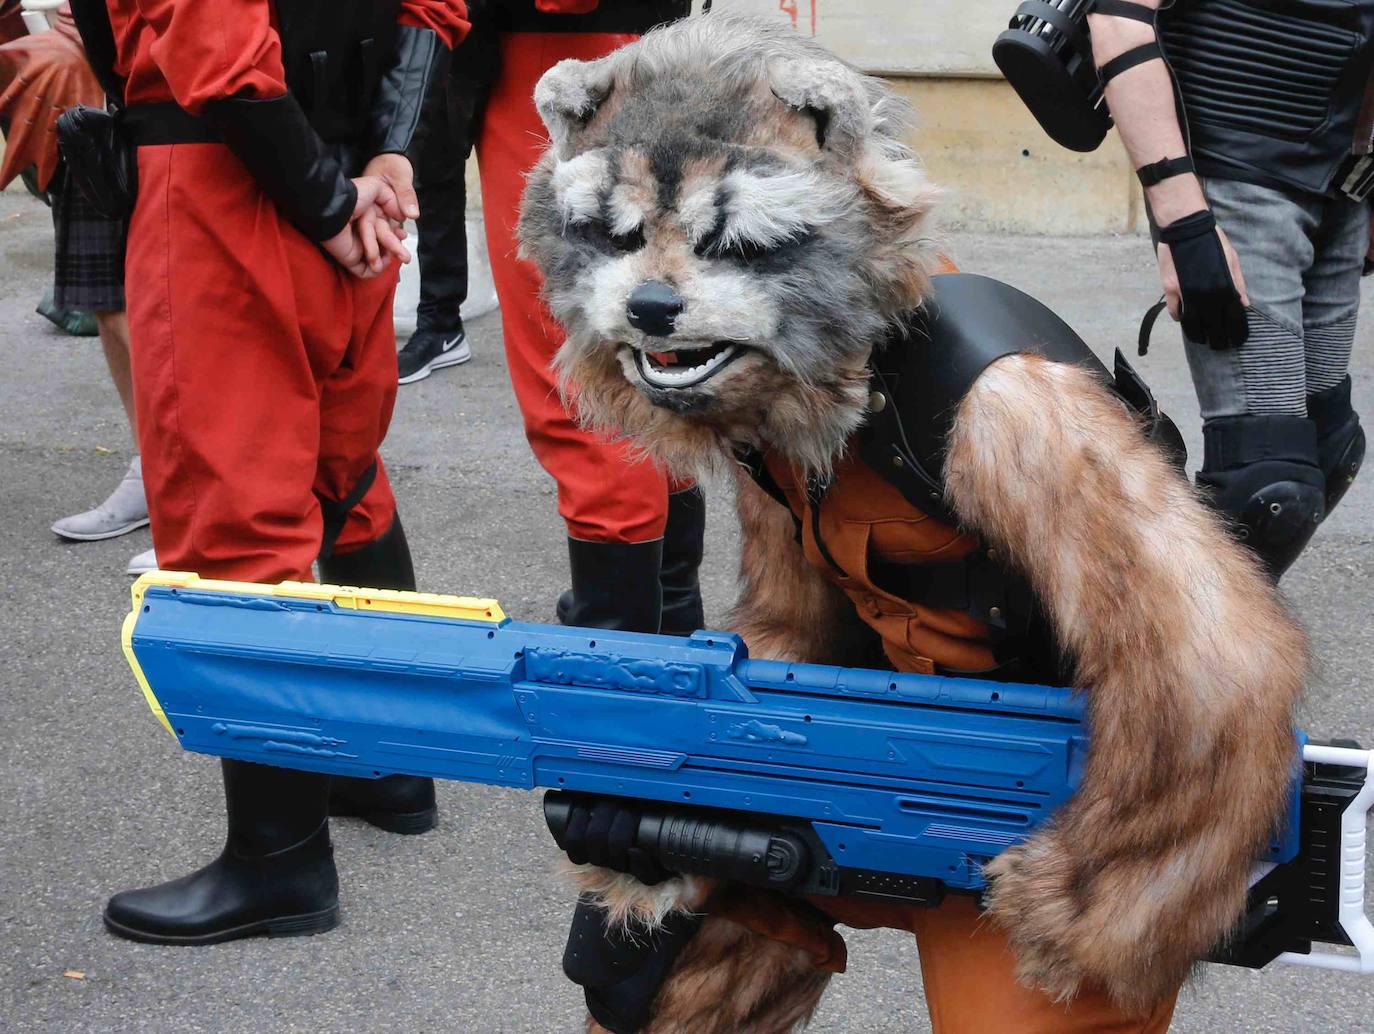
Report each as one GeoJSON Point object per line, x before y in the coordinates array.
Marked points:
{"type": "Point", "coordinates": [275, 140]}
{"type": "Point", "coordinates": [417, 72]}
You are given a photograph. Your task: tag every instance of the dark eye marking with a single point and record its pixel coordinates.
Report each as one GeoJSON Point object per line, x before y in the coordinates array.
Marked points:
{"type": "Point", "coordinates": [600, 236]}
{"type": "Point", "coordinates": [713, 245]}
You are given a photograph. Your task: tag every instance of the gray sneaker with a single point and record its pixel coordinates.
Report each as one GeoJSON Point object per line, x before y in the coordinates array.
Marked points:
{"type": "Point", "coordinates": [142, 563]}
{"type": "Point", "coordinates": [124, 511]}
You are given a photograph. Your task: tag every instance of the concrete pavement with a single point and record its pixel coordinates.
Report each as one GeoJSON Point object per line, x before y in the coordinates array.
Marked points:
{"type": "Point", "coordinates": [462, 929]}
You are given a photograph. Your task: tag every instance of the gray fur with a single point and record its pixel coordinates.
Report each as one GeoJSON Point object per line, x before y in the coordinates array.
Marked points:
{"type": "Point", "coordinates": [780, 202]}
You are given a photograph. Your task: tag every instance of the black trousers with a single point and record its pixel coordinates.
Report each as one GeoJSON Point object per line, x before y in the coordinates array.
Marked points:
{"type": "Point", "coordinates": [439, 182]}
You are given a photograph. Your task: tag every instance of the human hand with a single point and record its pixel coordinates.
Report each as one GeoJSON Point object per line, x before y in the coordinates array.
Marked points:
{"type": "Point", "coordinates": [374, 228]}
{"type": "Point", "coordinates": [1202, 280]}
{"type": "Point", "coordinates": [381, 239]}
{"type": "Point", "coordinates": [396, 172]}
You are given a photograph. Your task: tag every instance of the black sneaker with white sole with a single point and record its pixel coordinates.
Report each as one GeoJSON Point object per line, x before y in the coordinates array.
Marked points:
{"type": "Point", "coordinates": [430, 350]}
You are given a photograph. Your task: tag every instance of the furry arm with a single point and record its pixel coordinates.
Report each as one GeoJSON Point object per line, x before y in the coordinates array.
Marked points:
{"type": "Point", "coordinates": [787, 610]}
{"type": "Point", "coordinates": [1190, 663]}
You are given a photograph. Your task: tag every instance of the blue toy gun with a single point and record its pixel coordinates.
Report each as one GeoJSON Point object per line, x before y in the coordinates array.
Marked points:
{"type": "Point", "coordinates": [803, 778]}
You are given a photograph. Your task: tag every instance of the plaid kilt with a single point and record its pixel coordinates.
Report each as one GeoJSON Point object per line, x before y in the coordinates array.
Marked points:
{"type": "Point", "coordinates": [89, 269]}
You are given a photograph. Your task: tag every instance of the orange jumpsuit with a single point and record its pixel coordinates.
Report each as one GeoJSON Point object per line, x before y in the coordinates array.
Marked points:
{"type": "Point", "coordinates": [968, 969]}
{"type": "Point", "coordinates": [605, 493]}
{"type": "Point", "coordinates": [263, 372]}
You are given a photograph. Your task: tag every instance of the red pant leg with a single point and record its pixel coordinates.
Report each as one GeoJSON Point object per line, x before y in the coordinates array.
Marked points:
{"type": "Point", "coordinates": [356, 402]}
{"type": "Point", "coordinates": [604, 493]}
{"type": "Point", "coordinates": [237, 324]}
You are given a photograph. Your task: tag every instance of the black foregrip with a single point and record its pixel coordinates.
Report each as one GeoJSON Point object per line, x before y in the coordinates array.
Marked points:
{"type": "Point", "coordinates": [406, 91]}
{"type": "Point", "coordinates": [700, 844]}
{"type": "Point", "coordinates": [279, 146]}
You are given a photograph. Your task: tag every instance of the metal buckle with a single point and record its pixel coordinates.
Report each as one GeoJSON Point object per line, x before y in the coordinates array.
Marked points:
{"type": "Point", "coordinates": [1359, 182]}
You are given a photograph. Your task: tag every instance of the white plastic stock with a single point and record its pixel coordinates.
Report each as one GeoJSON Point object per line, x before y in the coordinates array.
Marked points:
{"type": "Point", "coordinates": [1353, 836]}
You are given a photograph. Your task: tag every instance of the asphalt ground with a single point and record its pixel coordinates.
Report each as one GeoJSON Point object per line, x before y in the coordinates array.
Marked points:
{"type": "Point", "coordinates": [460, 930]}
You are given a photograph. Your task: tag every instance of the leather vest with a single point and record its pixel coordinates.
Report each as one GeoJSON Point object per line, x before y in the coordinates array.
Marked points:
{"type": "Point", "coordinates": [859, 534]}
{"type": "Point", "coordinates": [940, 600]}
{"type": "Point", "coordinates": [335, 52]}
{"type": "Point", "coordinates": [1271, 89]}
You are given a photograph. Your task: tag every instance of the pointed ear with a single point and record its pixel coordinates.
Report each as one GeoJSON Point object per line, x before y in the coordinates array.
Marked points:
{"type": "Point", "coordinates": [568, 95]}
{"type": "Point", "coordinates": [832, 94]}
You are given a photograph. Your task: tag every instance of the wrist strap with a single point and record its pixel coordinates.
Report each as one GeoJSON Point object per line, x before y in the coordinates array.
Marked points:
{"type": "Point", "coordinates": [1124, 9]}
{"type": "Point", "coordinates": [1125, 62]}
{"type": "Point", "coordinates": [1158, 172]}
{"type": "Point", "coordinates": [1147, 326]}
{"type": "Point", "coordinates": [1199, 224]}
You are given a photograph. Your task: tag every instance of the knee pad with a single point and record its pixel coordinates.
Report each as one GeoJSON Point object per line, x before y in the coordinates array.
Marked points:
{"type": "Point", "coordinates": [620, 971]}
{"type": "Point", "coordinates": [1262, 472]}
{"type": "Point", "coordinates": [1341, 462]}
{"type": "Point", "coordinates": [1340, 439]}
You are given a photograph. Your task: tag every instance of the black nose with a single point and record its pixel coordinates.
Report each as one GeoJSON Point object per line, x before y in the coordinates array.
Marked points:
{"type": "Point", "coordinates": [653, 307]}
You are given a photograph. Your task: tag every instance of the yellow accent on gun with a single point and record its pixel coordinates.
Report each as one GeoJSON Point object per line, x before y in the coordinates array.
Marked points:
{"type": "Point", "coordinates": [427, 604]}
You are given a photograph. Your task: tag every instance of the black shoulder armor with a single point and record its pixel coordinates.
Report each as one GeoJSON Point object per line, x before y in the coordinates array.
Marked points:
{"type": "Point", "coordinates": [920, 376]}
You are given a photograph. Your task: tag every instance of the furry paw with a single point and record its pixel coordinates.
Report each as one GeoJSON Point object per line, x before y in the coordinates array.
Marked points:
{"type": "Point", "coordinates": [1032, 898]}
{"type": "Point", "coordinates": [1133, 928]}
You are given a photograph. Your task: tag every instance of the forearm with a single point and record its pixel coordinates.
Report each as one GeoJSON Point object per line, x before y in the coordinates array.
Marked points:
{"type": "Point", "coordinates": [786, 610]}
{"type": "Point", "coordinates": [410, 87]}
{"type": "Point", "coordinates": [426, 33]}
{"type": "Point", "coordinates": [1141, 100]}
{"type": "Point", "coordinates": [1190, 665]}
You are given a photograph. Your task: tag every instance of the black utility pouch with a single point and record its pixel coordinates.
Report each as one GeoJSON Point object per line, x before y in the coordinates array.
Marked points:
{"type": "Point", "coordinates": [100, 159]}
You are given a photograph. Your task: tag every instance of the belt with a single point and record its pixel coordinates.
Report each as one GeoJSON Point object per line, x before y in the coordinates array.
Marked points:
{"type": "Point", "coordinates": [148, 125]}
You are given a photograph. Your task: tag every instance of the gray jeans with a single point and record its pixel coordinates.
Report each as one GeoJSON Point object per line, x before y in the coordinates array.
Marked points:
{"type": "Point", "coordinates": [1301, 257]}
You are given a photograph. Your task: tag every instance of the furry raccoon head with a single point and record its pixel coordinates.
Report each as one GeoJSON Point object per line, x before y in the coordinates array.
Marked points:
{"type": "Point", "coordinates": [727, 224]}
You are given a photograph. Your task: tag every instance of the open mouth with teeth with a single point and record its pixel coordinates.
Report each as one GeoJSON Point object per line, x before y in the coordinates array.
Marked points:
{"type": "Point", "coordinates": [686, 367]}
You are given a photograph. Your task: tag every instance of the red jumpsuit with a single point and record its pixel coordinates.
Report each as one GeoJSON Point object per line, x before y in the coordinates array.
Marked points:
{"type": "Point", "coordinates": [263, 372]}
{"type": "Point", "coordinates": [605, 494]}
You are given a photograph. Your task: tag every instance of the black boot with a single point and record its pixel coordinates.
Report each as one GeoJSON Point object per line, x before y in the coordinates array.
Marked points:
{"type": "Point", "coordinates": [1340, 439]}
{"type": "Point", "coordinates": [399, 803]}
{"type": "Point", "coordinates": [614, 585]}
{"type": "Point", "coordinates": [684, 543]}
{"type": "Point", "coordinates": [1262, 473]}
{"type": "Point", "coordinates": [275, 875]}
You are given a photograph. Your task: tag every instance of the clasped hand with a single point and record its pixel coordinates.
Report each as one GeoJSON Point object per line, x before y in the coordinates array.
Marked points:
{"type": "Point", "coordinates": [374, 234]}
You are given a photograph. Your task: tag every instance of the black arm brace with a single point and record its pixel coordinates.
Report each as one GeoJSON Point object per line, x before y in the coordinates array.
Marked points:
{"type": "Point", "coordinates": [406, 90]}
{"type": "Point", "coordinates": [278, 145]}
{"type": "Point", "coordinates": [1046, 54]}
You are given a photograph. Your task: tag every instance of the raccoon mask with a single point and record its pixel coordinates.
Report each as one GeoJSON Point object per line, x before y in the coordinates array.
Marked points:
{"type": "Point", "coordinates": [727, 223]}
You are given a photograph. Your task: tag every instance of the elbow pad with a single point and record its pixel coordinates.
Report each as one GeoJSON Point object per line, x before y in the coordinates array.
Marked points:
{"type": "Point", "coordinates": [276, 142]}
{"type": "Point", "coordinates": [420, 63]}
{"type": "Point", "coordinates": [1047, 57]}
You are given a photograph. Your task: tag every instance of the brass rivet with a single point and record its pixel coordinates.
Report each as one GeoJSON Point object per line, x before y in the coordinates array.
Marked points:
{"type": "Point", "coordinates": [897, 461]}
{"type": "Point", "coordinates": [877, 402]}
{"type": "Point", "coordinates": [995, 613]}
